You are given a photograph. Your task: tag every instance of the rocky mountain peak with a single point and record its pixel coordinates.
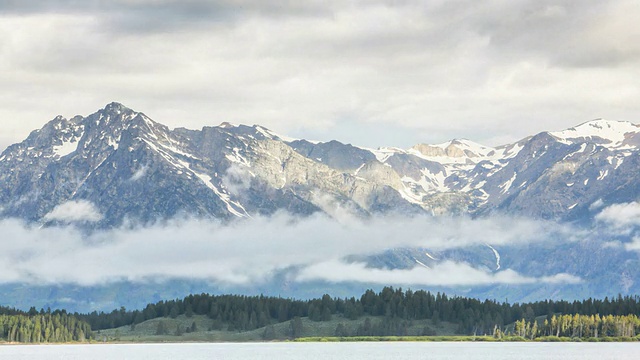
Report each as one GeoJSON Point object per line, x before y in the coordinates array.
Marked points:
{"type": "Point", "coordinates": [116, 108]}
{"type": "Point", "coordinates": [226, 125]}
{"type": "Point", "coordinates": [455, 151]}
{"type": "Point", "coordinates": [605, 132]}
{"type": "Point", "coordinates": [115, 117]}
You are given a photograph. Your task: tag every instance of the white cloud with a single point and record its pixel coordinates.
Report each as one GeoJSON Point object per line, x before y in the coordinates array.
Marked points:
{"type": "Point", "coordinates": [634, 245]}
{"type": "Point", "coordinates": [140, 173]}
{"type": "Point", "coordinates": [81, 210]}
{"type": "Point", "coordinates": [615, 244]}
{"type": "Point", "coordinates": [596, 205]}
{"type": "Point", "coordinates": [444, 274]}
{"type": "Point", "coordinates": [621, 215]}
{"type": "Point", "coordinates": [237, 179]}
{"type": "Point", "coordinates": [488, 71]}
{"type": "Point", "coordinates": [254, 250]}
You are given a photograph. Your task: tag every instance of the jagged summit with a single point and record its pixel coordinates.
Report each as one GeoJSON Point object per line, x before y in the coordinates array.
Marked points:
{"type": "Point", "coordinates": [116, 107]}
{"type": "Point", "coordinates": [113, 109]}
{"type": "Point", "coordinates": [226, 125]}
{"type": "Point", "coordinates": [121, 114]}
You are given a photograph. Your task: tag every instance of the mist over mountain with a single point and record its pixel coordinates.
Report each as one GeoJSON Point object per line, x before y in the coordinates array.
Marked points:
{"type": "Point", "coordinates": [552, 215]}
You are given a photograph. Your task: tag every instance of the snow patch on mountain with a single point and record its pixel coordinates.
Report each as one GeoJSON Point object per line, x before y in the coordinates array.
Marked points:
{"type": "Point", "coordinates": [420, 263]}
{"type": "Point", "coordinates": [430, 256]}
{"type": "Point", "coordinates": [497, 255]}
{"type": "Point", "coordinates": [66, 148]}
{"type": "Point", "coordinates": [231, 205]}
{"type": "Point", "coordinates": [507, 184]}
{"type": "Point", "coordinates": [611, 134]}
{"type": "Point", "coordinates": [237, 157]}
{"type": "Point", "coordinates": [384, 153]}
{"type": "Point", "coordinates": [269, 134]}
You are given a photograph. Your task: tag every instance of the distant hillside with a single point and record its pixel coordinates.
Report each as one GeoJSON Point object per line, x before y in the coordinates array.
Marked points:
{"type": "Point", "coordinates": [391, 312]}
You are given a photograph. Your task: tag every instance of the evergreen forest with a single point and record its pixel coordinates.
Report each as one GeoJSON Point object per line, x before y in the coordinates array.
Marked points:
{"type": "Point", "coordinates": [391, 311]}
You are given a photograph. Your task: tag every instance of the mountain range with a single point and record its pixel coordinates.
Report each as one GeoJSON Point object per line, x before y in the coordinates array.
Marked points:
{"type": "Point", "coordinates": [118, 166]}
{"type": "Point", "coordinates": [133, 168]}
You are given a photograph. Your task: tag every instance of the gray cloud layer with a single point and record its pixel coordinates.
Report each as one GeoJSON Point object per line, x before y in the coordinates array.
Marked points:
{"type": "Point", "coordinates": [493, 71]}
{"type": "Point", "coordinates": [253, 251]}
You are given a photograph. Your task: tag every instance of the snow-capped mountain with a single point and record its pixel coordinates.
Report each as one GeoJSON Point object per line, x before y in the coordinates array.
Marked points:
{"type": "Point", "coordinates": [130, 167]}
{"type": "Point", "coordinates": [118, 166]}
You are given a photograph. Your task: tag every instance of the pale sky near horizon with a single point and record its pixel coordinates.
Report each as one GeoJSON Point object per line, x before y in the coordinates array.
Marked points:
{"type": "Point", "coordinates": [372, 73]}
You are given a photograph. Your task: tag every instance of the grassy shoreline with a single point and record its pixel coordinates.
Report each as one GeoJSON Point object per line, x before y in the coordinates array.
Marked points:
{"type": "Point", "coordinates": [463, 338]}
{"type": "Point", "coordinates": [321, 339]}
{"type": "Point", "coordinates": [147, 332]}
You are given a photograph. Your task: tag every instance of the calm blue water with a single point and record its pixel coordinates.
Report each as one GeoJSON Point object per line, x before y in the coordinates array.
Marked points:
{"type": "Point", "coordinates": [359, 351]}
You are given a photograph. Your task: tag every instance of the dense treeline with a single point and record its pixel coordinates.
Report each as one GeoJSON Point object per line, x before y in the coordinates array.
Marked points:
{"type": "Point", "coordinates": [396, 307]}
{"type": "Point", "coordinates": [231, 311]}
{"type": "Point", "coordinates": [577, 326]}
{"type": "Point", "coordinates": [41, 327]}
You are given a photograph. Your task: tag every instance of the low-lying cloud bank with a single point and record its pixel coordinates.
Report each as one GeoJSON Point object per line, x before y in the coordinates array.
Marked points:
{"type": "Point", "coordinates": [447, 273]}
{"type": "Point", "coordinates": [254, 250]}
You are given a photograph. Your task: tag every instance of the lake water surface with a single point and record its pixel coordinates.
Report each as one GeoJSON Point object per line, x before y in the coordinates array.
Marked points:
{"type": "Point", "coordinates": [359, 351]}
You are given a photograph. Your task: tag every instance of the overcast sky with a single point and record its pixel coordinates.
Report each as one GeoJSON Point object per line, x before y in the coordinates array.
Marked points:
{"type": "Point", "coordinates": [371, 73]}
